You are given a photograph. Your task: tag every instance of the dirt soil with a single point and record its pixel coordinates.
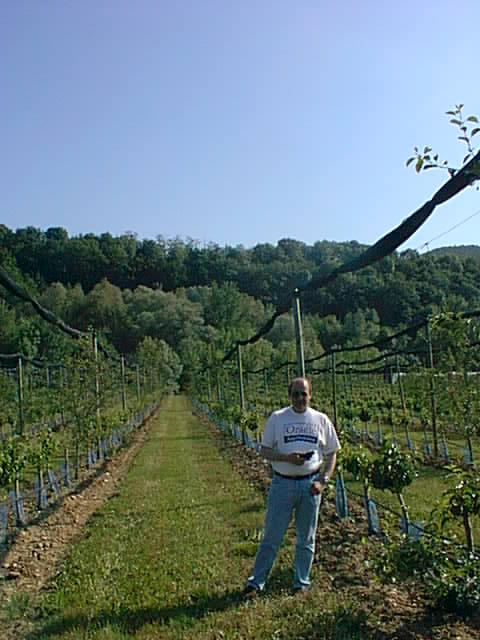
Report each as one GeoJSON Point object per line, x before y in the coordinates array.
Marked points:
{"type": "Point", "coordinates": [34, 555]}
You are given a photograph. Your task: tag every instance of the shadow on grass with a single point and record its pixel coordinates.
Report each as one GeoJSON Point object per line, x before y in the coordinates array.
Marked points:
{"type": "Point", "coordinates": [252, 508]}
{"type": "Point", "coordinates": [132, 620]}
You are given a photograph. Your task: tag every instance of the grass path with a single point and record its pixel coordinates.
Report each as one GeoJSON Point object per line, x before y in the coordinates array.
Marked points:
{"type": "Point", "coordinates": [168, 556]}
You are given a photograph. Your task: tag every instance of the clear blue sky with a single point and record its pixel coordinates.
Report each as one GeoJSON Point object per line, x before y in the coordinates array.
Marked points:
{"type": "Point", "coordinates": [234, 121]}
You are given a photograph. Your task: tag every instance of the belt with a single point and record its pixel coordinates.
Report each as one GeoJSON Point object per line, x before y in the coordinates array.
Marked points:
{"type": "Point", "coordinates": [308, 475]}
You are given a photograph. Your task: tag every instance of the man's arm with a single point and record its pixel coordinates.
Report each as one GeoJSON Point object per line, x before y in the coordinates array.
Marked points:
{"type": "Point", "coordinates": [275, 456]}
{"type": "Point", "coordinates": [328, 467]}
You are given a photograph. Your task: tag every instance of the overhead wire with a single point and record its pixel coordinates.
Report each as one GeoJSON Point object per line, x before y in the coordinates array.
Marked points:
{"type": "Point", "coordinates": [426, 245]}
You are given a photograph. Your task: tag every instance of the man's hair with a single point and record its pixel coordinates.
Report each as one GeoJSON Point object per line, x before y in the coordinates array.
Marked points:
{"type": "Point", "coordinates": [307, 380]}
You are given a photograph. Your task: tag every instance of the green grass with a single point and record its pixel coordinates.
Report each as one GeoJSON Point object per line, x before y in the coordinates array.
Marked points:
{"type": "Point", "coordinates": [169, 555]}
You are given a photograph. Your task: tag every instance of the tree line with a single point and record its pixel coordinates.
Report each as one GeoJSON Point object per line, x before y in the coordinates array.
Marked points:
{"type": "Point", "coordinates": [197, 299]}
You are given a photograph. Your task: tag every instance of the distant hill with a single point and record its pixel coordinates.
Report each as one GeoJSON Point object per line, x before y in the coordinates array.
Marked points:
{"type": "Point", "coordinates": [461, 251]}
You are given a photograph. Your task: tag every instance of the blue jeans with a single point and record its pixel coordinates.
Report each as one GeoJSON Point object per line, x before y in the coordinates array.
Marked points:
{"type": "Point", "coordinates": [285, 497]}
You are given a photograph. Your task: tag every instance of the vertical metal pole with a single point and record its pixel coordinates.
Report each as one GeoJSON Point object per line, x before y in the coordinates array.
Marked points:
{"type": "Point", "coordinates": [334, 390]}
{"type": "Point", "coordinates": [432, 390]}
{"type": "Point", "coordinates": [242, 391]}
{"type": "Point", "coordinates": [97, 376]}
{"type": "Point", "coordinates": [400, 385]}
{"type": "Point", "coordinates": [299, 335]}
{"type": "Point", "coordinates": [219, 393]}
{"type": "Point", "coordinates": [209, 386]}
{"type": "Point", "coordinates": [124, 390]}
{"type": "Point", "coordinates": [20, 395]}
{"type": "Point", "coordinates": [137, 375]}
{"type": "Point", "coordinates": [240, 376]}
{"type": "Point", "coordinates": [62, 384]}
{"type": "Point", "coordinates": [265, 389]}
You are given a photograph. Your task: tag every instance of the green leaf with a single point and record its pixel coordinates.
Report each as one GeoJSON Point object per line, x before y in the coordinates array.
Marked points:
{"type": "Point", "coordinates": [463, 138]}
{"type": "Point", "coordinates": [419, 165]}
{"type": "Point", "coordinates": [456, 121]}
{"type": "Point", "coordinates": [474, 131]}
{"type": "Point", "coordinates": [410, 160]}
{"type": "Point", "coordinates": [451, 113]}
{"type": "Point", "coordinates": [472, 119]}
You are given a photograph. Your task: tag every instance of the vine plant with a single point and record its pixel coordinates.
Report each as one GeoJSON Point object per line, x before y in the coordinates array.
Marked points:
{"type": "Point", "coordinates": [468, 128]}
{"type": "Point", "coordinates": [462, 501]}
{"type": "Point", "coordinates": [13, 460]}
{"type": "Point", "coordinates": [358, 462]}
{"type": "Point", "coordinates": [39, 454]}
{"type": "Point", "coordinates": [393, 470]}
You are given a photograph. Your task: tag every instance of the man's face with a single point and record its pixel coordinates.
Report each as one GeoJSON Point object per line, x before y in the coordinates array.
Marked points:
{"type": "Point", "coordinates": [300, 395]}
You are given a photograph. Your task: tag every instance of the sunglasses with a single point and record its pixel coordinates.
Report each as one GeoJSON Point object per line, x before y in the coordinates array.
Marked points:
{"type": "Point", "coordinates": [299, 394]}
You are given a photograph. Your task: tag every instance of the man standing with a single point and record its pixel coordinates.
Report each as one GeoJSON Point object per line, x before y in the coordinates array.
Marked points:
{"type": "Point", "coordinates": [302, 446]}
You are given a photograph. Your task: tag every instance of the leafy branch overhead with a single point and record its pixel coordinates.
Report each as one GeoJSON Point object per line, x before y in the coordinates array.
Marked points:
{"type": "Point", "coordinates": [468, 128]}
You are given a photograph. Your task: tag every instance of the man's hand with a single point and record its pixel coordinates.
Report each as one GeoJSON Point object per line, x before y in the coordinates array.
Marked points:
{"type": "Point", "coordinates": [317, 488]}
{"type": "Point", "coordinates": [274, 456]}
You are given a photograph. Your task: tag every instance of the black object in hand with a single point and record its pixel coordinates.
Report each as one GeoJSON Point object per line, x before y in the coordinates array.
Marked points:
{"type": "Point", "coordinates": [308, 455]}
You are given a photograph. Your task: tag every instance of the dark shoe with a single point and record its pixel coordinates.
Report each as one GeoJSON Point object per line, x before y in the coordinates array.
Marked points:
{"type": "Point", "coordinates": [250, 592]}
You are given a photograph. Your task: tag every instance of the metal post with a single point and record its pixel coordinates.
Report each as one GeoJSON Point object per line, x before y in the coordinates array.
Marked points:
{"type": "Point", "coordinates": [20, 395]}
{"type": "Point", "coordinates": [265, 389]}
{"type": "Point", "coordinates": [219, 392]}
{"type": "Point", "coordinates": [432, 390]}
{"type": "Point", "coordinates": [137, 376]}
{"type": "Point", "coordinates": [97, 376]}
{"type": "Point", "coordinates": [334, 390]}
{"type": "Point", "coordinates": [124, 390]}
{"type": "Point", "coordinates": [62, 384]}
{"type": "Point", "coordinates": [299, 335]}
{"type": "Point", "coordinates": [240, 376]}
{"type": "Point", "coordinates": [209, 386]}
{"type": "Point", "coordinates": [400, 385]}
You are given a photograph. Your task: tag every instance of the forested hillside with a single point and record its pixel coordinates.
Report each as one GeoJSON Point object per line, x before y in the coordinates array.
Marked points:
{"type": "Point", "coordinates": [461, 251]}
{"type": "Point", "coordinates": [196, 300]}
